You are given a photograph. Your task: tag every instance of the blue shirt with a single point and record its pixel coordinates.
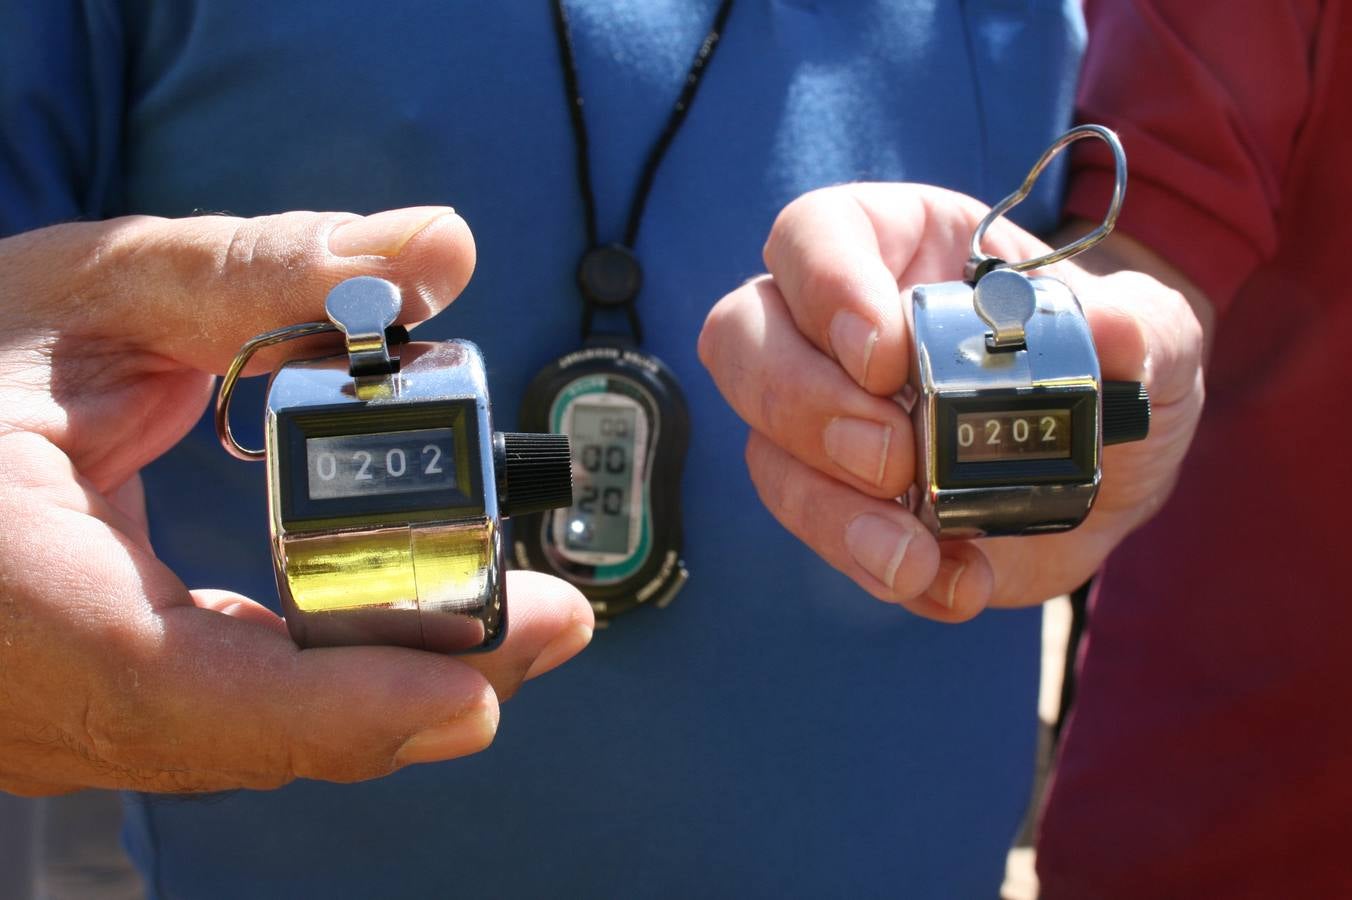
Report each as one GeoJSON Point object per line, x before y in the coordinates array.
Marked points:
{"type": "Point", "coordinates": [775, 731]}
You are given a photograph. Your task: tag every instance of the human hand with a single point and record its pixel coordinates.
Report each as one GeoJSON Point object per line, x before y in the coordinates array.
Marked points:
{"type": "Point", "coordinates": [811, 354]}
{"type": "Point", "coordinates": [113, 673]}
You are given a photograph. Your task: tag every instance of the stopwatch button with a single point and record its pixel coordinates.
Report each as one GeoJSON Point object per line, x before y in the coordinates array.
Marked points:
{"type": "Point", "coordinates": [1126, 412]}
{"type": "Point", "coordinates": [609, 275]}
{"type": "Point", "coordinates": [535, 472]}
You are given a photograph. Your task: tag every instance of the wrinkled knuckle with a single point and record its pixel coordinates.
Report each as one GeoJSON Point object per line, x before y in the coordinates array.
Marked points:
{"type": "Point", "coordinates": [100, 736]}
{"type": "Point", "coordinates": [111, 756]}
{"type": "Point", "coordinates": [94, 265]}
{"type": "Point", "coordinates": [784, 220]}
{"type": "Point", "coordinates": [124, 725]}
{"type": "Point", "coordinates": [284, 248]}
{"type": "Point", "coordinates": [115, 733]}
{"type": "Point", "coordinates": [787, 222]}
{"type": "Point", "coordinates": [236, 254]}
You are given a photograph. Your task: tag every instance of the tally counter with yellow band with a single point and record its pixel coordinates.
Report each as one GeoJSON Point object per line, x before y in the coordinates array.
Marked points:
{"type": "Point", "coordinates": [387, 483]}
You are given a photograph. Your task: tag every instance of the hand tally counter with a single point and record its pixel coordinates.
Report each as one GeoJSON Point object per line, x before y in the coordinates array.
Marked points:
{"type": "Point", "coordinates": [1010, 410]}
{"type": "Point", "coordinates": [387, 483]}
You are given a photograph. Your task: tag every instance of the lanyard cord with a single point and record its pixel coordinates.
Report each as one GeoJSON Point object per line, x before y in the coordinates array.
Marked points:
{"type": "Point", "coordinates": [655, 155]}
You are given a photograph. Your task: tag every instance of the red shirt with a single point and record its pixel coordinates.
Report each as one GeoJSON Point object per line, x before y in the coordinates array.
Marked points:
{"type": "Point", "coordinates": [1210, 751]}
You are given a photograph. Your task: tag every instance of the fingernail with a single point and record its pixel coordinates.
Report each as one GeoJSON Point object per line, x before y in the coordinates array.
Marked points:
{"type": "Point", "coordinates": [560, 650]}
{"type": "Point", "coordinates": [877, 544]}
{"type": "Point", "coordinates": [945, 586]}
{"type": "Point", "coordinates": [383, 233]}
{"type": "Point", "coordinates": [469, 733]}
{"type": "Point", "coordinates": [852, 340]}
{"type": "Point", "coordinates": [859, 447]}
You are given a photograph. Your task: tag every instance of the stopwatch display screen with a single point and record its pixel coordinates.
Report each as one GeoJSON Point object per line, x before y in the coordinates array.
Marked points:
{"type": "Point", "coordinates": [626, 419]}
{"type": "Point", "coordinates": [1013, 434]}
{"type": "Point", "coordinates": [603, 436]}
{"type": "Point", "coordinates": [393, 462]}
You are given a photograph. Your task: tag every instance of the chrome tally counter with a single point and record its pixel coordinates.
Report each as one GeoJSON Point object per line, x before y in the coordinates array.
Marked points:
{"type": "Point", "coordinates": [1010, 410]}
{"type": "Point", "coordinates": [387, 483]}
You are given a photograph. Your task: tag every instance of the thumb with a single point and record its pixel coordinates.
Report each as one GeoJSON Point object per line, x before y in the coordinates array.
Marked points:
{"type": "Point", "coordinates": [196, 289]}
{"type": "Point", "coordinates": [247, 709]}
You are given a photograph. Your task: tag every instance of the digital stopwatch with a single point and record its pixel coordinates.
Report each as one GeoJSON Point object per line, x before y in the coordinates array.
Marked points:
{"type": "Point", "coordinates": [1010, 410]}
{"type": "Point", "coordinates": [620, 540]}
{"type": "Point", "coordinates": [387, 482]}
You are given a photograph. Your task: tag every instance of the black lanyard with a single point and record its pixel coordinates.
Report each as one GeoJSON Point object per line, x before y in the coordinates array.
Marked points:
{"type": "Point", "coordinates": [609, 275]}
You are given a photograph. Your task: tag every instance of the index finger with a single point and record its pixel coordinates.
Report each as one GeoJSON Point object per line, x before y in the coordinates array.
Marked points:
{"type": "Point", "coordinates": [843, 258]}
{"type": "Point", "coordinates": [826, 260]}
{"type": "Point", "coordinates": [195, 289]}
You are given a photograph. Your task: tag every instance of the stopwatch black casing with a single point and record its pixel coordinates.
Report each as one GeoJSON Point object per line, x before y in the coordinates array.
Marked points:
{"type": "Point", "coordinates": [620, 542]}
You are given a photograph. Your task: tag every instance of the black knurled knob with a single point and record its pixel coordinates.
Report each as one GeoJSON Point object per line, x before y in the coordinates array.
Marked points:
{"type": "Point", "coordinates": [1126, 412]}
{"type": "Point", "coordinates": [535, 472]}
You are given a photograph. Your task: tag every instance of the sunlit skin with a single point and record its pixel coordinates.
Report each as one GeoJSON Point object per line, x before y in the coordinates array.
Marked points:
{"type": "Point", "coordinates": [115, 674]}
{"type": "Point", "coordinates": [811, 354]}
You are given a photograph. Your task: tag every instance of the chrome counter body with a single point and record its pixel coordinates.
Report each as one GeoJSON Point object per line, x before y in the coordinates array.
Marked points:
{"type": "Point", "coordinates": [950, 359]}
{"type": "Point", "coordinates": [436, 584]}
